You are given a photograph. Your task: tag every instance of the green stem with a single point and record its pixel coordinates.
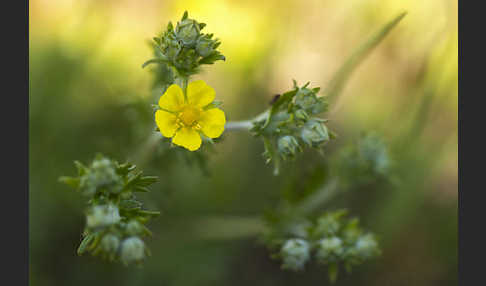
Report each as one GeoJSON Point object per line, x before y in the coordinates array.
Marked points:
{"type": "Point", "coordinates": [317, 199]}
{"type": "Point", "coordinates": [235, 227]}
{"type": "Point", "coordinates": [244, 125]}
{"type": "Point", "coordinates": [185, 80]}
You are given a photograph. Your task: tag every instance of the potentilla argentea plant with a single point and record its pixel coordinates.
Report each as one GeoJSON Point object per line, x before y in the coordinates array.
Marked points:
{"type": "Point", "coordinates": [187, 117]}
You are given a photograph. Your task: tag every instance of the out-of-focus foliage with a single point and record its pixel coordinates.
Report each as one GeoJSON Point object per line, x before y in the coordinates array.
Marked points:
{"type": "Point", "coordinates": [331, 239]}
{"type": "Point", "coordinates": [88, 93]}
{"type": "Point", "coordinates": [115, 218]}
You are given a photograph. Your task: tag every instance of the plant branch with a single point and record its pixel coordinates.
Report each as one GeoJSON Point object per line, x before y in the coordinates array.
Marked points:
{"type": "Point", "coordinates": [244, 125]}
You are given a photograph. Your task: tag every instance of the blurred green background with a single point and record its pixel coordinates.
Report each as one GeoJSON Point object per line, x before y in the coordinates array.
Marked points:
{"type": "Point", "coordinates": [88, 94]}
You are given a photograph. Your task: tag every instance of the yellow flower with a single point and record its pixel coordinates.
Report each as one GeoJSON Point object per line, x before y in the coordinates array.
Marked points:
{"type": "Point", "coordinates": [184, 118]}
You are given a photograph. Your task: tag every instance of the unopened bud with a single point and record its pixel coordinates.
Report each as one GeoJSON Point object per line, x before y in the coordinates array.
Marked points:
{"type": "Point", "coordinates": [288, 145]}
{"type": "Point", "coordinates": [104, 215]}
{"type": "Point", "coordinates": [132, 250]}
{"type": "Point", "coordinates": [134, 227]}
{"type": "Point", "coordinates": [314, 133]}
{"type": "Point", "coordinates": [330, 249]}
{"type": "Point", "coordinates": [204, 47]}
{"type": "Point", "coordinates": [366, 246]}
{"type": "Point", "coordinates": [110, 243]}
{"type": "Point", "coordinates": [295, 254]}
{"type": "Point", "coordinates": [187, 31]}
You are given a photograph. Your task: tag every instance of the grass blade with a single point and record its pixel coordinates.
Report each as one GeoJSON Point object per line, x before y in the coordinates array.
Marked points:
{"type": "Point", "coordinates": [341, 77]}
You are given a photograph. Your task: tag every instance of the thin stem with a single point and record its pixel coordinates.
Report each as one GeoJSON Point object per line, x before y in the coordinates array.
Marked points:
{"type": "Point", "coordinates": [234, 227]}
{"type": "Point", "coordinates": [244, 125]}
{"type": "Point", "coordinates": [318, 198]}
{"type": "Point", "coordinates": [184, 81]}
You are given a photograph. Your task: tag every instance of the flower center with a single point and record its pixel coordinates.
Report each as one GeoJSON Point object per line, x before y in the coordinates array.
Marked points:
{"type": "Point", "coordinates": [189, 115]}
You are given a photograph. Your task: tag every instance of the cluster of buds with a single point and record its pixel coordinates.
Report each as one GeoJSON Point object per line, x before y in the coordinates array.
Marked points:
{"type": "Point", "coordinates": [365, 161]}
{"type": "Point", "coordinates": [332, 239]}
{"type": "Point", "coordinates": [115, 220]}
{"type": "Point", "coordinates": [292, 124]}
{"type": "Point", "coordinates": [185, 48]}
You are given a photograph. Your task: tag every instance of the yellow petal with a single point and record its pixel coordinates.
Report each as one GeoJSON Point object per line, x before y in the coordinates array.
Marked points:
{"type": "Point", "coordinates": [166, 122]}
{"type": "Point", "coordinates": [212, 122]}
{"type": "Point", "coordinates": [199, 93]}
{"type": "Point", "coordinates": [172, 99]}
{"type": "Point", "coordinates": [187, 138]}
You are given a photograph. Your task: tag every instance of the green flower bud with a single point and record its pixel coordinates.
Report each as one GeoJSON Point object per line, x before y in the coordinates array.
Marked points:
{"type": "Point", "coordinates": [327, 225]}
{"type": "Point", "coordinates": [301, 115]}
{"type": "Point", "coordinates": [101, 216]}
{"type": "Point", "coordinates": [101, 174]}
{"type": "Point", "coordinates": [330, 249]}
{"type": "Point", "coordinates": [187, 31]}
{"type": "Point", "coordinates": [295, 253]}
{"type": "Point", "coordinates": [375, 153]}
{"type": "Point", "coordinates": [204, 47]}
{"type": "Point", "coordinates": [110, 243]}
{"type": "Point", "coordinates": [134, 227]}
{"type": "Point", "coordinates": [172, 50]}
{"type": "Point", "coordinates": [366, 246]}
{"type": "Point", "coordinates": [314, 133]}
{"type": "Point", "coordinates": [320, 105]}
{"type": "Point", "coordinates": [288, 145]}
{"type": "Point", "coordinates": [305, 98]}
{"type": "Point", "coordinates": [132, 250]}
{"type": "Point", "coordinates": [187, 60]}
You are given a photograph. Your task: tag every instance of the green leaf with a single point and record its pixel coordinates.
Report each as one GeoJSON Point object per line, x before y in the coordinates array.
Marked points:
{"type": "Point", "coordinates": [73, 182]}
{"type": "Point", "coordinates": [85, 242]}
{"type": "Point", "coordinates": [214, 104]}
{"type": "Point", "coordinates": [130, 204]}
{"type": "Point", "coordinates": [153, 61]}
{"type": "Point", "coordinates": [185, 16]}
{"type": "Point", "coordinates": [141, 189]}
{"type": "Point", "coordinates": [146, 181]}
{"type": "Point", "coordinates": [148, 213]}
{"type": "Point", "coordinates": [285, 98]}
{"type": "Point", "coordinates": [82, 169]}
{"type": "Point", "coordinates": [215, 56]}
{"type": "Point", "coordinates": [341, 77]}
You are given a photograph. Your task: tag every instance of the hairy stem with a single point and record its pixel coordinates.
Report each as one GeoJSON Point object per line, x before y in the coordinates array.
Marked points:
{"type": "Point", "coordinates": [244, 125]}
